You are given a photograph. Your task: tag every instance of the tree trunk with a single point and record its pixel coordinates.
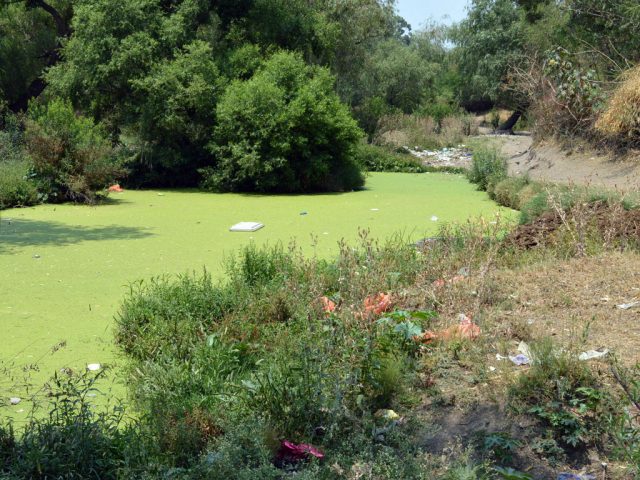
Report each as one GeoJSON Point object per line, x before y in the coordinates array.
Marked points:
{"type": "Point", "coordinates": [37, 86]}
{"type": "Point", "coordinates": [507, 127]}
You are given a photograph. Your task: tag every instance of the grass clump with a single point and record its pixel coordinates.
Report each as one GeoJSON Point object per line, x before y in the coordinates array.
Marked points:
{"type": "Point", "coordinates": [431, 131]}
{"type": "Point", "coordinates": [75, 440]}
{"type": "Point", "coordinates": [17, 188]}
{"type": "Point", "coordinates": [488, 168]}
{"type": "Point", "coordinates": [207, 359]}
{"type": "Point", "coordinates": [565, 395]}
{"type": "Point", "coordinates": [379, 159]}
{"type": "Point", "coordinates": [621, 117]}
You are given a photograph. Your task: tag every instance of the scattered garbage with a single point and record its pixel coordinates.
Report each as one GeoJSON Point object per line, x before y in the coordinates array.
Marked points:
{"type": "Point", "coordinates": [290, 452]}
{"type": "Point", "coordinates": [627, 306]}
{"type": "Point", "coordinates": [591, 354]}
{"type": "Point", "coordinates": [375, 209]}
{"type": "Point", "coordinates": [15, 400]}
{"type": "Point", "coordinates": [434, 218]}
{"type": "Point", "coordinates": [385, 414]}
{"type": "Point", "coordinates": [94, 367]}
{"type": "Point", "coordinates": [524, 349]}
{"type": "Point", "coordinates": [465, 329]}
{"type": "Point", "coordinates": [459, 156]}
{"type": "Point", "coordinates": [304, 213]}
{"type": "Point", "coordinates": [246, 227]}
{"type": "Point", "coordinates": [36, 256]}
{"type": "Point", "coordinates": [462, 275]}
{"type": "Point", "coordinates": [520, 359]}
{"type": "Point", "coordinates": [328, 306]}
{"type": "Point", "coordinates": [161, 194]}
{"type": "Point", "coordinates": [115, 188]}
{"type": "Point", "coordinates": [377, 304]}
{"type": "Point", "coordinates": [523, 357]}
{"type": "Point", "coordinates": [464, 271]}
{"type": "Point", "coordinates": [390, 419]}
{"type": "Point", "coordinates": [575, 476]}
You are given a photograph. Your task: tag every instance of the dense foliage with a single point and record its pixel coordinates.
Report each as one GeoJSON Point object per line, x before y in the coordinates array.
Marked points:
{"type": "Point", "coordinates": [164, 83]}
{"type": "Point", "coordinates": [284, 129]}
{"type": "Point", "coordinates": [71, 157]}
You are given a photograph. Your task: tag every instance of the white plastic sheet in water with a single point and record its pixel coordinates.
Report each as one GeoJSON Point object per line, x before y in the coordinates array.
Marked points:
{"type": "Point", "coordinates": [246, 227]}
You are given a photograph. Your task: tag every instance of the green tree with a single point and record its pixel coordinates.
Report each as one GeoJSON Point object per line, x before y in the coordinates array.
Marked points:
{"type": "Point", "coordinates": [30, 37]}
{"type": "Point", "coordinates": [284, 129]}
{"type": "Point", "coordinates": [177, 111]}
{"type": "Point", "coordinates": [487, 44]}
{"type": "Point", "coordinates": [71, 157]}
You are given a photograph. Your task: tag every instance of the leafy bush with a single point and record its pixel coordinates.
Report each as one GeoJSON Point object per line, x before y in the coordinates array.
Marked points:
{"type": "Point", "coordinates": [565, 395]}
{"type": "Point", "coordinates": [74, 440]}
{"type": "Point", "coordinates": [284, 130]}
{"type": "Point", "coordinates": [177, 115]}
{"type": "Point", "coordinates": [257, 351]}
{"type": "Point", "coordinates": [16, 187]}
{"type": "Point", "coordinates": [378, 159]}
{"type": "Point", "coordinates": [487, 169]}
{"type": "Point", "coordinates": [72, 157]}
{"type": "Point", "coordinates": [507, 192]}
{"type": "Point", "coordinates": [156, 316]}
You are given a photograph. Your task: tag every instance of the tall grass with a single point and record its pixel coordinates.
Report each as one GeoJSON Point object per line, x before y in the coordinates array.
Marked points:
{"type": "Point", "coordinates": [424, 131]}
{"type": "Point", "coordinates": [488, 168]}
{"type": "Point", "coordinates": [17, 188]}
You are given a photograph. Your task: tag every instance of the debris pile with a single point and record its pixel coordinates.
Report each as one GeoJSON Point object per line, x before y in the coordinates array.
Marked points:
{"type": "Point", "coordinates": [458, 157]}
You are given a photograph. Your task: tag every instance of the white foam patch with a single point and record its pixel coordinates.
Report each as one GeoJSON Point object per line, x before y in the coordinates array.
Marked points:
{"type": "Point", "coordinates": [246, 227]}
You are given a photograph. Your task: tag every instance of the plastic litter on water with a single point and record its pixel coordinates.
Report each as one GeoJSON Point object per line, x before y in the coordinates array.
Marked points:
{"type": "Point", "coordinates": [14, 400]}
{"type": "Point", "coordinates": [94, 367]}
{"type": "Point", "coordinates": [434, 218]}
{"type": "Point", "coordinates": [246, 227]}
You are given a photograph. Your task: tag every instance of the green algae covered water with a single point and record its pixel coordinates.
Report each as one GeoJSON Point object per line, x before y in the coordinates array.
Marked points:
{"type": "Point", "coordinates": [65, 268]}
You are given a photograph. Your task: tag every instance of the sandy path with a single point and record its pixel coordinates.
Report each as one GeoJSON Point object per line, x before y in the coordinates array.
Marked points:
{"type": "Point", "coordinates": [547, 161]}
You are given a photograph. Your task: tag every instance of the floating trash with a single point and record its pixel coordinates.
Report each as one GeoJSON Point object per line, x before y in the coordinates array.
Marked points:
{"type": "Point", "coordinates": [375, 209]}
{"type": "Point", "coordinates": [434, 218]}
{"type": "Point", "coordinates": [94, 367]}
{"type": "Point", "coordinates": [246, 227]}
{"type": "Point", "coordinates": [15, 400]}
{"type": "Point", "coordinates": [304, 213]}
